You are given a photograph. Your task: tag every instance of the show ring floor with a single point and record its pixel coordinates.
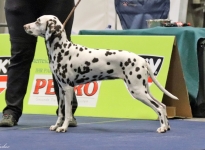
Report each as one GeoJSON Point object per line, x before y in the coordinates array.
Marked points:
{"type": "Point", "coordinates": [93, 133]}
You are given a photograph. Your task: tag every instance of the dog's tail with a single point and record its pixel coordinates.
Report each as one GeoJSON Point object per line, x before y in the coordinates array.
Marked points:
{"type": "Point", "coordinates": [158, 84]}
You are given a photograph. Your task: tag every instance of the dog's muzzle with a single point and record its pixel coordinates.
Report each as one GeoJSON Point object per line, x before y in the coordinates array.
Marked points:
{"type": "Point", "coordinates": [26, 28]}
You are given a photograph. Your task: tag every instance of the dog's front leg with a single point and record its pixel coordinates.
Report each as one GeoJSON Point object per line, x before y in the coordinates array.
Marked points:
{"type": "Point", "coordinates": [68, 97]}
{"type": "Point", "coordinates": [59, 121]}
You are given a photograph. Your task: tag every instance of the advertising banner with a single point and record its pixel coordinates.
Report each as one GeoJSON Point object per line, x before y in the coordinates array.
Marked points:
{"type": "Point", "coordinates": [98, 99]}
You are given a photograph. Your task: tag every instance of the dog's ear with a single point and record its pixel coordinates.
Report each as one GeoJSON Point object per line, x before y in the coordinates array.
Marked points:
{"type": "Point", "coordinates": [50, 28]}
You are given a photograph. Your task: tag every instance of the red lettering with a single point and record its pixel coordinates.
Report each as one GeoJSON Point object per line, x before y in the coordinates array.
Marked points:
{"type": "Point", "coordinates": [95, 88]}
{"type": "Point", "coordinates": [49, 87]}
{"type": "Point", "coordinates": [79, 90]}
{"type": "Point", "coordinates": [40, 83]}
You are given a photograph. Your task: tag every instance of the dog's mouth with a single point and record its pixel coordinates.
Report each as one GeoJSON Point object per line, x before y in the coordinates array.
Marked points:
{"type": "Point", "coordinates": [31, 33]}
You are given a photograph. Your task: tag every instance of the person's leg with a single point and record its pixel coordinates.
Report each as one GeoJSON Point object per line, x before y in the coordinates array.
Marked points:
{"type": "Point", "coordinates": [57, 8]}
{"type": "Point", "coordinates": [22, 53]}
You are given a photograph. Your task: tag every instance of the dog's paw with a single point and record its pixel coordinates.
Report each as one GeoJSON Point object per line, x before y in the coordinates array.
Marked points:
{"type": "Point", "coordinates": [61, 129]}
{"type": "Point", "coordinates": [168, 128]}
{"type": "Point", "coordinates": [53, 128]}
{"type": "Point", "coordinates": [162, 130]}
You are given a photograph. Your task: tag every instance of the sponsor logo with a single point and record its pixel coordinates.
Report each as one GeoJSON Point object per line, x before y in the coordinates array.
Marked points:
{"type": "Point", "coordinates": [155, 63]}
{"type": "Point", "coordinates": [42, 92]}
{"type": "Point", "coordinates": [4, 62]}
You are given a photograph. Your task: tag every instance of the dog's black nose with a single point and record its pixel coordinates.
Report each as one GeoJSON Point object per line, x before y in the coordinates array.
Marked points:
{"type": "Point", "coordinates": [26, 27]}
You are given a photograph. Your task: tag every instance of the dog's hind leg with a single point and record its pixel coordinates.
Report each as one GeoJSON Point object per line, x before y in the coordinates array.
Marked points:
{"type": "Point", "coordinates": [61, 104]}
{"type": "Point", "coordinates": [68, 97]}
{"type": "Point", "coordinates": [164, 109]}
{"type": "Point", "coordinates": [141, 94]}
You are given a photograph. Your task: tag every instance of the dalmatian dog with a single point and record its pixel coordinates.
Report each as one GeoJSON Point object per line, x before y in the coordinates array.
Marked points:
{"type": "Point", "coordinates": [74, 64]}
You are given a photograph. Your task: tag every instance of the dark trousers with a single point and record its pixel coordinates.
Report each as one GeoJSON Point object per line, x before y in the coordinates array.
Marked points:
{"type": "Point", "coordinates": [19, 13]}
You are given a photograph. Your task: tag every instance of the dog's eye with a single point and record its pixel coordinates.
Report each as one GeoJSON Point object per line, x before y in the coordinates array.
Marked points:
{"type": "Point", "coordinates": [37, 23]}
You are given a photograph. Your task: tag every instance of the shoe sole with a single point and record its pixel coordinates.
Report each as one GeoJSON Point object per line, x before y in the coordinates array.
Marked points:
{"type": "Point", "coordinates": [7, 125]}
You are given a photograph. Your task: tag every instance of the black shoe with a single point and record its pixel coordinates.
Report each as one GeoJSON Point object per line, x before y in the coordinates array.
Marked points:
{"type": "Point", "coordinates": [73, 123]}
{"type": "Point", "coordinates": [8, 121]}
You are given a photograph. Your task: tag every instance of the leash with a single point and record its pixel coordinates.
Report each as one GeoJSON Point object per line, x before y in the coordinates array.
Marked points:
{"type": "Point", "coordinates": [68, 17]}
{"type": "Point", "coordinates": [70, 14]}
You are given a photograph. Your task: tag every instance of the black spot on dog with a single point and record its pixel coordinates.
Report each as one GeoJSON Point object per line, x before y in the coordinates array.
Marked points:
{"type": "Point", "coordinates": [139, 76]}
{"type": "Point", "coordinates": [121, 64]}
{"type": "Point", "coordinates": [111, 78]}
{"type": "Point", "coordinates": [155, 104]}
{"type": "Point", "coordinates": [87, 63]}
{"type": "Point", "coordinates": [70, 57]}
{"type": "Point", "coordinates": [64, 45]}
{"type": "Point", "coordinates": [95, 60]}
{"type": "Point", "coordinates": [77, 55]}
{"type": "Point", "coordinates": [54, 58]}
{"type": "Point", "coordinates": [57, 27]}
{"type": "Point", "coordinates": [95, 76]}
{"type": "Point", "coordinates": [126, 63]}
{"type": "Point", "coordinates": [144, 82]}
{"type": "Point", "coordinates": [76, 77]}
{"type": "Point", "coordinates": [59, 58]}
{"type": "Point", "coordinates": [69, 45]}
{"type": "Point", "coordinates": [129, 82]}
{"type": "Point", "coordinates": [100, 76]}
{"type": "Point", "coordinates": [137, 69]}
{"type": "Point", "coordinates": [85, 70]}
{"type": "Point", "coordinates": [130, 72]}
{"type": "Point", "coordinates": [108, 63]}
{"type": "Point", "coordinates": [110, 71]}
{"type": "Point", "coordinates": [71, 65]}
{"type": "Point", "coordinates": [66, 53]}
{"type": "Point", "coordinates": [80, 81]}
{"type": "Point", "coordinates": [56, 45]}
{"type": "Point", "coordinates": [87, 78]}
{"type": "Point", "coordinates": [58, 66]}
{"type": "Point", "coordinates": [108, 53]}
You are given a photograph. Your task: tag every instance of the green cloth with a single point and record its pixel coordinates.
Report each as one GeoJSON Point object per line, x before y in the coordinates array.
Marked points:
{"type": "Point", "coordinates": [187, 38]}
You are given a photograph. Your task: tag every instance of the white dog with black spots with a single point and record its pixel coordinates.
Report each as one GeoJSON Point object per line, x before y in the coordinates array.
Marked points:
{"type": "Point", "coordinates": [74, 64]}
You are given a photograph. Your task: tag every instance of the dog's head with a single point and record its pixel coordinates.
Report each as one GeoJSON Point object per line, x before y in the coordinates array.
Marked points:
{"type": "Point", "coordinates": [45, 26]}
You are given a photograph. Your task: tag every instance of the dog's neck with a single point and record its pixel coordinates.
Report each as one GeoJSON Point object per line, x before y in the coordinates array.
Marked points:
{"type": "Point", "coordinates": [55, 41]}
